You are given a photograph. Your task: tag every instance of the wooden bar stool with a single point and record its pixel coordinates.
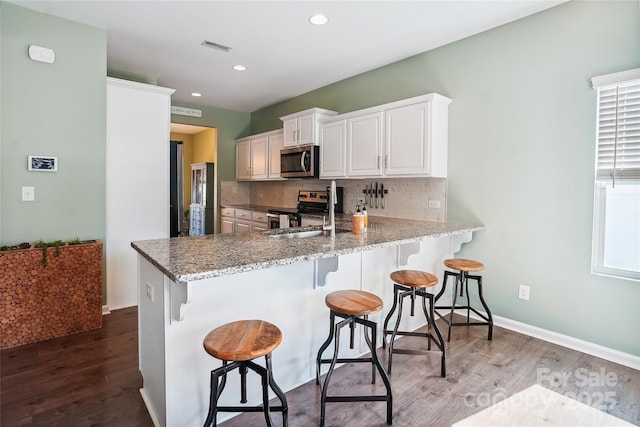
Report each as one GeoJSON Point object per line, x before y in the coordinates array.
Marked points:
{"type": "Point", "coordinates": [464, 266]}
{"type": "Point", "coordinates": [353, 306]}
{"type": "Point", "coordinates": [239, 343]}
{"type": "Point", "coordinates": [412, 283]}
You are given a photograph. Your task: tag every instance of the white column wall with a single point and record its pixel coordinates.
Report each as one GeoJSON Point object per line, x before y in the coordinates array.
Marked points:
{"type": "Point", "coordinates": [138, 121]}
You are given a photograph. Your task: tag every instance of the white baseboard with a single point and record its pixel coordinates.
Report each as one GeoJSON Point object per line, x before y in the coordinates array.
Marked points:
{"type": "Point", "coordinates": [105, 310]}
{"type": "Point", "coordinates": [587, 347]}
{"type": "Point", "coordinates": [152, 413]}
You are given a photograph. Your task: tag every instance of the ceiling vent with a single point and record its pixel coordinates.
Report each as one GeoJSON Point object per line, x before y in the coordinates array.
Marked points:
{"type": "Point", "coordinates": [217, 46]}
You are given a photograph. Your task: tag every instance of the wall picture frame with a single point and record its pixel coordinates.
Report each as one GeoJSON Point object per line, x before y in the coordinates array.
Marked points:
{"type": "Point", "coordinates": [42, 163]}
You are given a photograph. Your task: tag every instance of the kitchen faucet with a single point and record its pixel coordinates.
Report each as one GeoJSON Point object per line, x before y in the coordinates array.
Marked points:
{"type": "Point", "coordinates": [332, 211]}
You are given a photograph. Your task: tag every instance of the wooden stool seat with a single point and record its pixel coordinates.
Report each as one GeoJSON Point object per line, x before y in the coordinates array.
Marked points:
{"type": "Point", "coordinates": [414, 278]}
{"type": "Point", "coordinates": [464, 264]}
{"type": "Point", "coordinates": [236, 344]}
{"type": "Point", "coordinates": [242, 340]}
{"type": "Point", "coordinates": [353, 302]}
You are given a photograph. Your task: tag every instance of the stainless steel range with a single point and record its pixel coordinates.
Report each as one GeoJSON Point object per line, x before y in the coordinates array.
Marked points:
{"type": "Point", "coordinates": [317, 202]}
{"type": "Point", "coordinates": [309, 202]}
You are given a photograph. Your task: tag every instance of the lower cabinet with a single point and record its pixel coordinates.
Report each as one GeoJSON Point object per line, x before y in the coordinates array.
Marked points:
{"type": "Point", "coordinates": [259, 221]}
{"type": "Point", "coordinates": [227, 224]}
{"type": "Point", "coordinates": [242, 220]}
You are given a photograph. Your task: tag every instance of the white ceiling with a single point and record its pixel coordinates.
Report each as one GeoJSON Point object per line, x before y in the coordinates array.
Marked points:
{"type": "Point", "coordinates": [285, 56]}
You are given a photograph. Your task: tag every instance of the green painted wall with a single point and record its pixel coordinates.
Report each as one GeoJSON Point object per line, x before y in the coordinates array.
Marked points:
{"type": "Point", "coordinates": [52, 109]}
{"type": "Point", "coordinates": [521, 156]}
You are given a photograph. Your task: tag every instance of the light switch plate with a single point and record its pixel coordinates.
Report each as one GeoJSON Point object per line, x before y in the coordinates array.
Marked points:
{"type": "Point", "coordinates": [434, 204]}
{"type": "Point", "coordinates": [28, 194]}
{"type": "Point", "coordinates": [150, 292]}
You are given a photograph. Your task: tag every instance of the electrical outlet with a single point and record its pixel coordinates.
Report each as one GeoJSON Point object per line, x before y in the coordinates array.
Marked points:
{"type": "Point", "coordinates": [523, 292]}
{"type": "Point", "coordinates": [434, 204]}
{"type": "Point", "coordinates": [150, 292]}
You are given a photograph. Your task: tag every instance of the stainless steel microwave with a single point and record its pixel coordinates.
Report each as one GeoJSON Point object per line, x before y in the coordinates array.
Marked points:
{"type": "Point", "coordinates": [300, 162]}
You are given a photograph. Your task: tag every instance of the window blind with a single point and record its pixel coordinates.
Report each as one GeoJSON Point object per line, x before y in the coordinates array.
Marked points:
{"type": "Point", "coordinates": [618, 133]}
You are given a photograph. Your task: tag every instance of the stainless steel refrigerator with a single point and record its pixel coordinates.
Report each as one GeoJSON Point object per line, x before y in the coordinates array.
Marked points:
{"type": "Point", "coordinates": [176, 189]}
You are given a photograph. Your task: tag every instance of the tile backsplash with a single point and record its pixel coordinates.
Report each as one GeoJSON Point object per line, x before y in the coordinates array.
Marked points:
{"type": "Point", "coordinates": [407, 197]}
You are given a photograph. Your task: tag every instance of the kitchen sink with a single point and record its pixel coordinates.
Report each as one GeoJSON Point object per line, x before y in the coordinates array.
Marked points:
{"type": "Point", "coordinates": [299, 233]}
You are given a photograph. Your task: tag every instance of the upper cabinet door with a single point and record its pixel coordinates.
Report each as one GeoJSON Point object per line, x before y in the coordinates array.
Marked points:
{"type": "Point", "coordinates": [275, 145]}
{"type": "Point", "coordinates": [290, 129]}
{"type": "Point", "coordinates": [407, 148]}
{"type": "Point", "coordinates": [306, 129]}
{"type": "Point", "coordinates": [301, 128]}
{"type": "Point", "coordinates": [364, 145]}
{"type": "Point", "coordinates": [259, 156]}
{"type": "Point", "coordinates": [333, 140]}
{"type": "Point", "coordinates": [243, 160]}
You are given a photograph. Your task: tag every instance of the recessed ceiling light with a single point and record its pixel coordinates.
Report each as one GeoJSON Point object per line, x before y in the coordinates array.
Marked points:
{"type": "Point", "coordinates": [239, 67]}
{"type": "Point", "coordinates": [318, 19]}
{"type": "Point", "coordinates": [196, 94]}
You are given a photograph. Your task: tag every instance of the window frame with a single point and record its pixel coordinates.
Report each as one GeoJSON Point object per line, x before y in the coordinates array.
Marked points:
{"type": "Point", "coordinates": [600, 183]}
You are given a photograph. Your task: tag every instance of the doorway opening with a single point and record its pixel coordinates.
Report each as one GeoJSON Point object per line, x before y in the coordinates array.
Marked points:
{"type": "Point", "coordinates": [199, 145]}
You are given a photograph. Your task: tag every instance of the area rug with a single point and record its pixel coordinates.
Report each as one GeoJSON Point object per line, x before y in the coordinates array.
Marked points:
{"type": "Point", "coordinates": [538, 406]}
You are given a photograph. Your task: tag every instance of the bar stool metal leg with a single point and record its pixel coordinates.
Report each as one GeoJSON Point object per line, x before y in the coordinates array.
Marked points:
{"type": "Point", "coordinates": [461, 281]}
{"type": "Point", "coordinates": [350, 321]}
{"type": "Point", "coordinates": [323, 347]}
{"type": "Point", "coordinates": [401, 292]}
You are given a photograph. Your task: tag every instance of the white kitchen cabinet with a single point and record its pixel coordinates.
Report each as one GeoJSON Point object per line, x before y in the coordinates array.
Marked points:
{"type": "Point", "coordinates": [254, 156]}
{"type": "Point", "coordinates": [227, 225]}
{"type": "Point", "coordinates": [242, 226]}
{"type": "Point", "coordinates": [416, 136]}
{"type": "Point", "coordinates": [276, 140]}
{"type": "Point", "coordinates": [259, 221]}
{"type": "Point", "coordinates": [251, 158]}
{"type": "Point", "coordinates": [227, 220]}
{"type": "Point", "coordinates": [365, 155]}
{"type": "Point", "coordinates": [302, 128]}
{"type": "Point", "coordinates": [241, 220]}
{"type": "Point", "coordinates": [333, 140]}
{"type": "Point", "coordinates": [243, 159]}
{"type": "Point", "coordinates": [404, 138]}
{"type": "Point", "coordinates": [407, 140]}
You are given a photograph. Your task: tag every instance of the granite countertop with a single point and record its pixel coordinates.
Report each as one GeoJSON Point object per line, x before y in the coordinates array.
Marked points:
{"type": "Point", "coordinates": [185, 259]}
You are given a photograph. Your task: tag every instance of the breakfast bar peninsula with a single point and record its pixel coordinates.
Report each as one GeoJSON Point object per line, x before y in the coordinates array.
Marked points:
{"type": "Point", "coordinates": [189, 285]}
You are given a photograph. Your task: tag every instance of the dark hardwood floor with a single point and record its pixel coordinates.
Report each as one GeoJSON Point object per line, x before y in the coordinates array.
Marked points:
{"type": "Point", "coordinates": [91, 379]}
{"type": "Point", "coordinates": [86, 379]}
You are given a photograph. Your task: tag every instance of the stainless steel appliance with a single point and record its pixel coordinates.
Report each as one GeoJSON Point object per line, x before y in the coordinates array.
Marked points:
{"type": "Point", "coordinates": [176, 188]}
{"type": "Point", "coordinates": [317, 202]}
{"type": "Point", "coordinates": [300, 162]}
{"type": "Point", "coordinates": [275, 217]}
{"type": "Point", "coordinates": [309, 202]}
